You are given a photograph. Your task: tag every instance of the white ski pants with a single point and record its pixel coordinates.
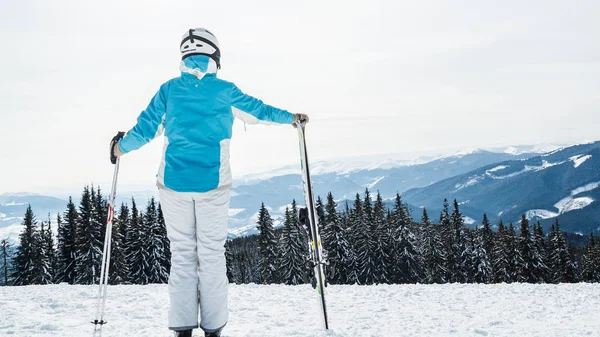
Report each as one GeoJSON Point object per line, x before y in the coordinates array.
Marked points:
{"type": "Point", "coordinates": [197, 228]}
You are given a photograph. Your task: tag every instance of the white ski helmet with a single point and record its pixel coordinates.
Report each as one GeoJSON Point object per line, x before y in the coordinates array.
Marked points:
{"type": "Point", "coordinates": [200, 41]}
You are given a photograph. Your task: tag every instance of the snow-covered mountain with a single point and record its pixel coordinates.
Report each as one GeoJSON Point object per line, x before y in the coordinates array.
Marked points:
{"type": "Point", "coordinates": [562, 184]}
{"type": "Point", "coordinates": [277, 189]}
{"type": "Point", "coordinates": [344, 178]}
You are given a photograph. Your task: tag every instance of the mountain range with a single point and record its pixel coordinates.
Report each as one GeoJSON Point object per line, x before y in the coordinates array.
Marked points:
{"type": "Point", "coordinates": [505, 182]}
{"type": "Point", "coordinates": [563, 184]}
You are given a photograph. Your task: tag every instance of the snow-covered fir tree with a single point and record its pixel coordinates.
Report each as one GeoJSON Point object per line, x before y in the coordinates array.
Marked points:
{"type": "Point", "coordinates": [525, 268]}
{"type": "Point", "coordinates": [339, 252]}
{"type": "Point", "coordinates": [89, 238]}
{"type": "Point", "coordinates": [157, 273]}
{"type": "Point", "coordinates": [132, 241]}
{"type": "Point", "coordinates": [514, 254]}
{"type": "Point", "coordinates": [48, 253]}
{"type": "Point", "coordinates": [229, 262]}
{"type": "Point", "coordinates": [267, 243]}
{"type": "Point", "coordinates": [358, 239]}
{"type": "Point", "coordinates": [590, 270]}
{"type": "Point", "coordinates": [382, 239]}
{"type": "Point", "coordinates": [502, 252]}
{"type": "Point", "coordinates": [142, 247]}
{"type": "Point", "coordinates": [67, 244]}
{"type": "Point", "coordinates": [28, 264]}
{"type": "Point", "coordinates": [480, 262]}
{"type": "Point", "coordinates": [293, 247]}
{"type": "Point", "coordinates": [6, 262]}
{"type": "Point", "coordinates": [562, 266]}
{"type": "Point", "coordinates": [433, 253]}
{"type": "Point", "coordinates": [165, 242]}
{"type": "Point", "coordinates": [540, 260]}
{"type": "Point", "coordinates": [369, 266]}
{"type": "Point", "coordinates": [408, 268]}
{"type": "Point", "coordinates": [447, 234]}
{"type": "Point", "coordinates": [118, 267]}
{"type": "Point", "coordinates": [460, 250]}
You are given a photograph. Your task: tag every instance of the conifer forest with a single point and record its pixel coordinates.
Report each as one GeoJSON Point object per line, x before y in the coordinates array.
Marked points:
{"type": "Point", "coordinates": [367, 241]}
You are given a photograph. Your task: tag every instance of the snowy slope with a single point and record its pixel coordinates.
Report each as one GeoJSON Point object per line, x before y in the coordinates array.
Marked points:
{"type": "Point", "coordinates": [562, 184]}
{"type": "Point", "coordinates": [457, 310]}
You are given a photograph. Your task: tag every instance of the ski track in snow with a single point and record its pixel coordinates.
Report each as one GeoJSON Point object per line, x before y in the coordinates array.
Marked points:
{"type": "Point", "coordinates": [386, 310]}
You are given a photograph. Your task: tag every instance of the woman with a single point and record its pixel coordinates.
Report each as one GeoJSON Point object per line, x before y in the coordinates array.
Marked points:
{"type": "Point", "coordinates": [196, 112]}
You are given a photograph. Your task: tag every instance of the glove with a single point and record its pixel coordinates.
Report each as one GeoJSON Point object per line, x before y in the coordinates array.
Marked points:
{"type": "Point", "coordinates": [299, 118]}
{"type": "Point", "coordinates": [115, 152]}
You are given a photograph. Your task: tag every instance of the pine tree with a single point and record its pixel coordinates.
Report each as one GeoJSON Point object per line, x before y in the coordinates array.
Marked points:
{"type": "Point", "coordinates": [369, 266]}
{"type": "Point", "coordinates": [292, 262]}
{"type": "Point", "coordinates": [562, 265]}
{"type": "Point", "coordinates": [118, 266]}
{"type": "Point", "coordinates": [381, 239]}
{"type": "Point", "coordinates": [407, 259]}
{"type": "Point", "coordinates": [525, 269]}
{"type": "Point", "coordinates": [268, 247]}
{"type": "Point", "coordinates": [229, 262]}
{"type": "Point", "coordinates": [460, 249]}
{"type": "Point", "coordinates": [501, 253]}
{"type": "Point", "coordinates": [67, 238]}
{"type": "Point", "coordinates": [340, 255]}
{"type": "Point", "coordinates": [487, 239]}
{"type": "Point", "coordinates": [156, 272]}
{"type": "Point", "coordinates": [480, 262]}
{"type": "Point", "coordinates": [48, 253]}
{"type": "Point", "coordinates": [590, 270]}
{"type": "Point", "coordinates": [434, 255]}
{"type": "Point", "coordinates": [540, 264]}
{"type": "Point", "coordinates": [358, 239]}
{"type": "Point", "coordinates": [514, 254]}
{"type": "Point", "coordinates": [165, 243]}
{"type": "Point", "coordinates": [27, 262]}
{"type": "Point", "coordinates": [132, 242]}
{"type": "Point", "coordinates": [89, 240]}
{"type": "Point", "coordinates": [447, 234]}
{"type": "Point", "coordinates": [5, 261]}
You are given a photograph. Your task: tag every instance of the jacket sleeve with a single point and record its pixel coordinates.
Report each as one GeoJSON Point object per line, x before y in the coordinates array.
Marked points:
{"type": "Point", "coordinates": [253, 111]}
{"type": "Point", "coordinates": [149, 123]}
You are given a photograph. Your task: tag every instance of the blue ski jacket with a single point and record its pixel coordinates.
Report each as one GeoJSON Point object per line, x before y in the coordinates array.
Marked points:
{"type": "Point", "coordinates": [196, 112]}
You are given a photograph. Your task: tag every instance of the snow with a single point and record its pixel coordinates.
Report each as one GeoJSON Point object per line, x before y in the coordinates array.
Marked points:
{"type": "Point", "coordinates": [540, 213]}
{"type": "Point", "coordinates": [472, 181]}
{"type": "Point", "coordinates": [371, 185]}
{"type": "Point", "coordinates": [570, 204]}
{"type": "Point", "coordinates": [497, 168]}
{"type": "Point", "coordinates": [2, 215]}
{"type": "Point", "coordinates": [497, 310]}
{"type": "Point", "coordinates": [13, 204]}
{"type": "Point", "coordinates": [585, 188]}
{"type": "Point", "coordinates": [489, 173]}
{"type": "Point", "coordinates": [468, 220]}
{"type": "Point", "coordinates": [19, 194]}
{"type": "Point", "coordinates": [580, 159]}
{"type": "Point", "coordinates": [240, 231]}
{"type": "Point", "coordinates": [235, 211]}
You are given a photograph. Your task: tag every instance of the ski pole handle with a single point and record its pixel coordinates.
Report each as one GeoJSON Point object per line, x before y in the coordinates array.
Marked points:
{"type": "Point", "coordinates": [113, 143]}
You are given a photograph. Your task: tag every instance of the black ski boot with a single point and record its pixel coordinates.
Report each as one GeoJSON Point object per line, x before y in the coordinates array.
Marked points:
{"type": "Point", "coordinates": [213, 334]}
{"type": "Point", "coordinates": [183, 333]}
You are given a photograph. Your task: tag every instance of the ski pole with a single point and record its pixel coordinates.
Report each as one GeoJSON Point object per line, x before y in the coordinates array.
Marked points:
{"type": "Point", "coordinates": [104, 273]}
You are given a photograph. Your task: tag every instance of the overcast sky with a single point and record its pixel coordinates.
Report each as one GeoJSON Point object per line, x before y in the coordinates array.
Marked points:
{"type": "Point", "coordinates": [375, 76]}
